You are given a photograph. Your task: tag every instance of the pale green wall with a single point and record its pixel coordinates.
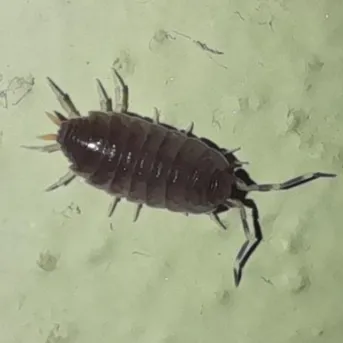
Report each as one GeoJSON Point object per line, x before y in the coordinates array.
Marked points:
{"type": "Point", "coordinates": [277, 92]}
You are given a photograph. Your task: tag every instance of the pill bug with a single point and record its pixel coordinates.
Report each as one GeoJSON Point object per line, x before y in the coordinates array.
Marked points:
{"type": "Point", "coordinates": [152, 163]}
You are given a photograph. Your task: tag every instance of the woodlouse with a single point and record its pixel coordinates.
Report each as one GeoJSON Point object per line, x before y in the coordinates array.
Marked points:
{"type": "Point", "coordinates": [148, 162]}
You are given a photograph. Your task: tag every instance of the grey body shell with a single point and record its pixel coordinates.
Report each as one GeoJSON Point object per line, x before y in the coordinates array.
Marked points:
{"type": "Point", "coordinates": [146, 163]}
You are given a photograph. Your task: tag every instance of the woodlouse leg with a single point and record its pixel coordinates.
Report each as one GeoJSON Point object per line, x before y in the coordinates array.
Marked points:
{"type": "Point", "coordinates": [189, 129]}
{"type": "Point", "coordinates": [44, 148]}
{"type": "Point", "coordinates": [297, 181]}
{"type": "Point", "coordinates": [157, 115]}
{"type": "Point", "coordinates": [253, 237]}
{"type": "Point", "coordinates": [63, 181]}
{"type": "Point", "coordinates": [121, 94]}
{"type": "Point", "coordinates": [156, 119]}
{"type": "Point", "coordinates": [113, 206]}
{"type": "Point", "coordinates": [137, 213]}
{"type": "Point", "coordinates": [105, 100]}
{"type": "Point", "coordinates": [64, 100]}
{"type": "Point", "coordinates": [48, 137]}
{"type": "Point", "coordinates": [57, 119]}
{"type": "Point", "coordinates": [239, 164]}
{"type": "Point", "coordinates": [227, 152]}
{"type": "Point", "coordinates": [215, 217]}
{"type": "Point", "coordinates": [229, 155]}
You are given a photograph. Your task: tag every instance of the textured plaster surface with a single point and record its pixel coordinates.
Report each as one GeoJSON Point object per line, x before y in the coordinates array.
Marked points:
{"type": "Point", "coordinates": [266, 76]}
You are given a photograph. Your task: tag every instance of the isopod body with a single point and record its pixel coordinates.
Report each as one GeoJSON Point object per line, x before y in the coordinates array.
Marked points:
{"type": "Point", "coordinates": [145, 162]}
{"type": "Point", "coordinates": [152, 163]}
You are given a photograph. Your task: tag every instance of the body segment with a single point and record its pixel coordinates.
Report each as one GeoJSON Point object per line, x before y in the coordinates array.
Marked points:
{"type": "Point", "coordinates": [146, 163]}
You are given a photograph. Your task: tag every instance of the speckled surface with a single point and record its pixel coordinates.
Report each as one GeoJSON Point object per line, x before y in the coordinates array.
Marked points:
{"type": "Point", "coordinates": [265, 76]}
